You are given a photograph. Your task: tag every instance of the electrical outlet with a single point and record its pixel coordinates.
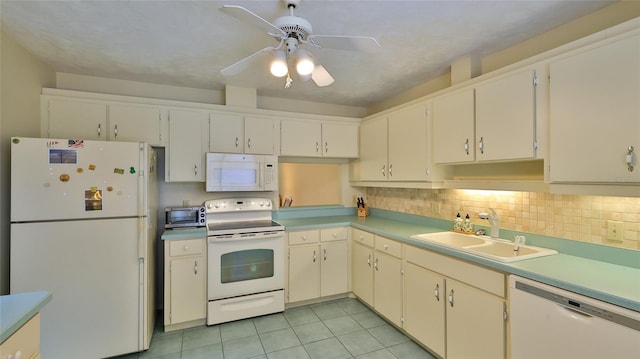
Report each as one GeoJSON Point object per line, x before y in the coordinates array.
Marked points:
{"type": "Point", "coordinates": [435, 208]}
{"type": "Point", "coordinates": [615, 231]}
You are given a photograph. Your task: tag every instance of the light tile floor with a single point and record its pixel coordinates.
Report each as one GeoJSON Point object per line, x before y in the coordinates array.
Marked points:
{"type": "Point", "coordinates": [343, 328]}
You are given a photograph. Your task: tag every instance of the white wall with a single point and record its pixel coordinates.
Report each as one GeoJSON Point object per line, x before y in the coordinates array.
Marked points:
{"type": "Point", "coordinates": [22, 78]}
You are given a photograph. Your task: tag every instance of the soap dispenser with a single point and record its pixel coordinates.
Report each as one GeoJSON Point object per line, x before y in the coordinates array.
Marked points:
{"type": "Point", "coordinates": [468, 226]}
{"type": "Point", "coordinates": [457, 223]}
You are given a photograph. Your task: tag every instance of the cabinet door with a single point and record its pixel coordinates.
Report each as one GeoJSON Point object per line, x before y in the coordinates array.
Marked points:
{"type": "Point", "coordinates": [475, 323]}
{"type": "Point", "coordinates": [506, 118]}
{"type": "Point", "coordinates": [388, 287]}
{"type": "Point", "coordinates": [595, 114]}
{"type": "Point", "coordinates": [300, 138]}
{"type": "Point", "coordinates": [453, 117]}
{"type": "Point", "coordinates": [334, 274]}
{"type": "Point", "coordinates": [225, 133]}
{"type": "Point", "coordinates": [373, 150]}
{"type": "Point", "coordinates": [340, 140]}
{"type": "Point", "coordinates": [424, 307]}
{"type": "Point", "coordinates": [186, 152]}
{"type": "Point", "coordinates": [77, 120]}
{"type": "Point", "coordinates": [304, 273]}
{"type": "Point", "coordinates": [408, 160]}
{"type": "Point", "coordinates": [135, 124]}
{"type": "Point", "coordinates": [258, 135]}
{"type": "Point", "coordinates": [362, 272]}
{"type": "Point", "coordinates": [187, 289]}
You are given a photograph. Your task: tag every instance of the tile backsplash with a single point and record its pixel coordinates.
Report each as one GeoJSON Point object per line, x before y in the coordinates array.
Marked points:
{"type": "Point", "coordinates": [581, 218]}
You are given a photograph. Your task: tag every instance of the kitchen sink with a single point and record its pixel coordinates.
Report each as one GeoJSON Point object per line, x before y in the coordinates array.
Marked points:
{"type": "Point", "coordinates": [451, 239]}
{"type": "Point", "coordinates": [497, 249]}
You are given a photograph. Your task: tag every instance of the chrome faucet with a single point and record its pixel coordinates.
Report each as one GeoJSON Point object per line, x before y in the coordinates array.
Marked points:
{"type": "Point", "coordinates": [493, 220]}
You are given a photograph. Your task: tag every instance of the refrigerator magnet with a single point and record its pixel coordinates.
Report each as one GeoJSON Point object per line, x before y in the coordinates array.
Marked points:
{"type": "Point", "coordinates": [80, 170]}
{"type": "Point", "coordinates": [65, 177]}
{"type": "Point", "coordinates": [109, 189]}
{"type": "Point", "coordinates": [92, 167]}
{"type": "Point", "coordinates": [132, 170]}
{"type": "Point", "coordinates": [119, 171]}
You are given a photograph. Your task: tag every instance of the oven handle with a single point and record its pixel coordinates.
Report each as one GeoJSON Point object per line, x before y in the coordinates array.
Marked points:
{"type": "Point", "coordinates": [244, 237]}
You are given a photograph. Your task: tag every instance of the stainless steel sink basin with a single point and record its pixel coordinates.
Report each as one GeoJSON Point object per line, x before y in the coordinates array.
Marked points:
{"type": "Point", "coordinates": [496, 249]}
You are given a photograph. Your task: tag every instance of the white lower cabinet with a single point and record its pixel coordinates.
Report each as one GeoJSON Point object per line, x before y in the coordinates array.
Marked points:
{"type": "Point", "coordinates": [424, 307]}
{"type": "Point", "coordinates": [362, 265]}
{"type": "Point", "coordinates": [387, 293]}
{"type": "Point", "coordinates": [318, 263]}
{"type": "Point", "coordinates": [185, 283]}
{"type": "Point", "coordinates": [24, 343]}
{"type": "Point", "coordinates": [454, 308]}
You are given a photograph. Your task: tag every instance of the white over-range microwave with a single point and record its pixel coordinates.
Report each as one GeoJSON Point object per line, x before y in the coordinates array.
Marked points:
{"type": "Point", "coordinates": [228, 172]}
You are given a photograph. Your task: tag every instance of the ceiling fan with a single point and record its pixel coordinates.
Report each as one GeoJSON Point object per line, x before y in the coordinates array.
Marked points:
{"type": "Point", "coordinates": [293, 34]}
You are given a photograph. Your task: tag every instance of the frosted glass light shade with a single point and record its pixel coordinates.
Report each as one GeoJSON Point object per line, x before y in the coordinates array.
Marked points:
{"type": "Point", "coordinates": [305, 64]}
{"type": "Point", "coordinates": [279, 64]}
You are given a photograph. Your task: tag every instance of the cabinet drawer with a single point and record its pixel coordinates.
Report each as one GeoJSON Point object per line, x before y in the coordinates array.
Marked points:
{"type": "Point", "coordinates": [186, 247]}
{"type": "Point", "coordinates": [389, 246]}
{"type": "Point", "coordinates": [334, 234]}
{"type": "Point", "coordinates": [304, 237]}
{"type": "Point", "coordinates": [477, 276]}
{"type": "Point", "coordinates": [363, 237]}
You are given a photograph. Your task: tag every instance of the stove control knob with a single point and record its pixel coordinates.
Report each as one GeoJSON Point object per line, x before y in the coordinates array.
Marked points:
{"type": "Point", "coordinates": [268, 204]}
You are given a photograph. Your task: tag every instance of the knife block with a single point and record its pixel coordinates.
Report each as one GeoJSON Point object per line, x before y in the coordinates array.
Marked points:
{"type": "Point", "coordinates": [363, 212]}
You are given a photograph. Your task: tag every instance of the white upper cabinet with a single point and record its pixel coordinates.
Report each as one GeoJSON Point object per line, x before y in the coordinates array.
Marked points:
{"type": "Point", "coordinates": [453, 117]}
{"type": "Point", "coordinates": [318, 139]}
{"type": "Point", "coordinates": [595, 114]}
{"type": "Point", "coordinates": [394, 147]}
{"type": "Point", "coordinates": [493, 121]}
{"type": "Point", "coordinates": [70, 118]}
{"type": "Point", "coordinates": [236, 133]}
{"type": "Point", "coordinates": [506, 117]}
{"type": "Point", "coordinates": [102, 120]}
{"type": "Point", "coordinates": [373, 149]}
{"type": "Point", "coordinates": [136, 123]}
{"type": "Point", "coordinates": [187, 144]}
{"type": "Point", "coordinates": [300, 138]}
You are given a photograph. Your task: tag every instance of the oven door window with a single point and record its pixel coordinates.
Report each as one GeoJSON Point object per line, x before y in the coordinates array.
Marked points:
{"type": "Point", "coordinates": [246, 265]}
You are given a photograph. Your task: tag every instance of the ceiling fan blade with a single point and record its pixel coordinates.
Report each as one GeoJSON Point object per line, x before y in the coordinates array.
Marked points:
{"type": "Point", "coordinates": [244, 63]}
{"type": "Point", "coordinates": [252, 18]}
{"type": "Point", "coordinates": [321, 76]}
{"type": "Point", "coordinates": [352, 43]}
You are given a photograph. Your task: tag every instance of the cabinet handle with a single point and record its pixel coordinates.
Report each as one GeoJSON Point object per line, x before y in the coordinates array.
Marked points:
{"type": "Point", "coordinates": [195, 267]}
{"type": "Point", "coordinates": [249, 142]}
{"type": "Point", "coordinates": [386, 247]}
{"type": "Point", "coordinates": [390, 170]}
{"type": "Point", "coordinates": [369, 260]}
{"type": "Point", "coordinates": [115, 131]}
{"type": "Point", "coordinates": [99, 130]}
{"type": "Point", "coordinates": [384, 170]}
{"type": "Point", "coordinates": [317, 147]}
{"type": "Point", "coordinates": [314, 256]}
{"type": "Point", "coordinates": [466, 146]}
{"type": "Point", "coordinates": [195, 169]}
{"type": "Point", "coordinates": [481, 145]}
{"type": "Point", "coordinates": [630, 158]}
{"type": "Point", "coordinates": [324, 254]}
{"type": "Point", "coordinates": [436, 292]}
{"type": "Point", "coordinates": [375, 264]}
{"type": "Point", "coordinates": [237, 142]}
{"type": "Point", "coordinates": [451, 298]}
{"type": "Point", "coordinates": [326, 146]}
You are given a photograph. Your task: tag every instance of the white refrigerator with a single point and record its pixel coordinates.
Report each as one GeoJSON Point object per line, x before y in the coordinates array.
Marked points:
{"type": "Point", "coordinates": [83, 227]}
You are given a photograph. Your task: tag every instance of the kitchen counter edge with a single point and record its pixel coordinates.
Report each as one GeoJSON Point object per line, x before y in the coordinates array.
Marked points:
{"type": "Point", "coordinates": [17, 309]}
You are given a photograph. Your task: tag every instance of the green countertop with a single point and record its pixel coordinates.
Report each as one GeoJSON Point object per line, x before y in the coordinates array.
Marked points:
{"type": "Point", "coordinates": [574, 268]}
{"type": "Point", "coordinates": [183, 233]}
{"type": "Point", "coordinates": [17, 309]}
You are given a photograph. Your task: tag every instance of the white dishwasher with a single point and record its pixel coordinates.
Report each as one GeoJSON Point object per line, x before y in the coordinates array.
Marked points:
{"type": "Point", "coordinates": [548, 322]}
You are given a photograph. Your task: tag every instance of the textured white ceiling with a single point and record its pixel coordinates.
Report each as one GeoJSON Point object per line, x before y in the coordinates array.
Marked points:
{"type": "Point", "coordinates": [187, 43]}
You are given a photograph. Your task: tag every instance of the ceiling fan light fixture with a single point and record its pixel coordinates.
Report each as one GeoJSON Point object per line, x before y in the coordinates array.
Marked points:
{"type": "Point", "coordinates": [279, 64]}
{"type": "Point", "coordinates": [305, 64]}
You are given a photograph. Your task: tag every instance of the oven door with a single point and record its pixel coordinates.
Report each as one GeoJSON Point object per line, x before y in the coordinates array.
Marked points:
{"type": "Point", "coordinates": [248, 265]}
